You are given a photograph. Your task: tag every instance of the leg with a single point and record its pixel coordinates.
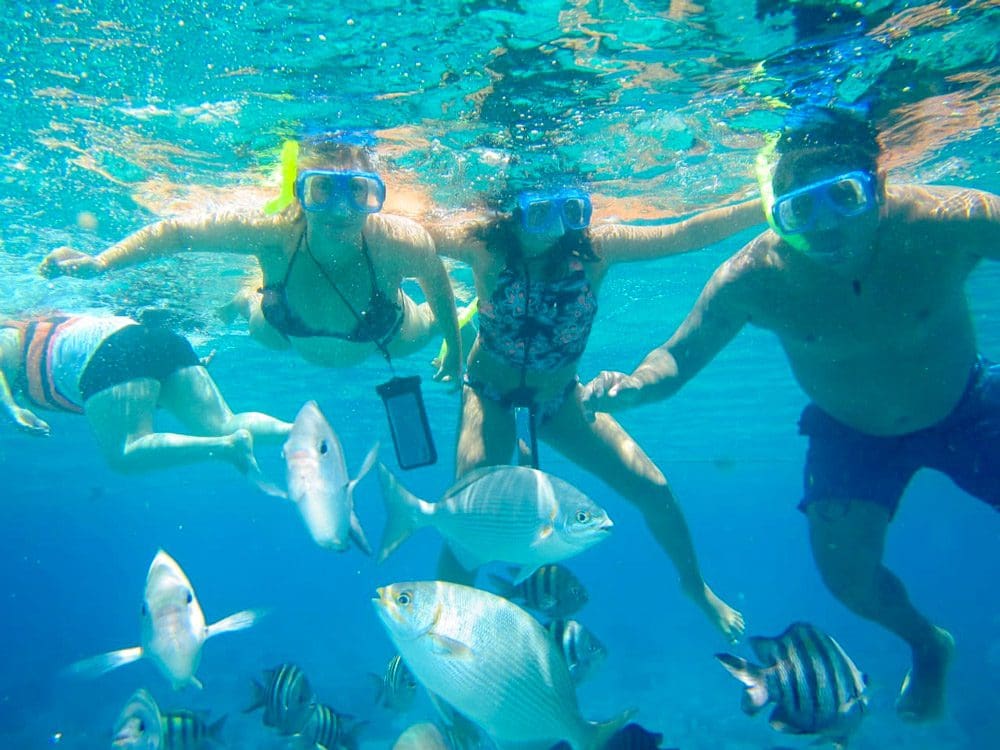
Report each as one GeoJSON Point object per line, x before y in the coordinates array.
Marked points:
{"type": "Point", "coordinates": [485, 438]}
{"type": "Point", "coordinates": [603, 448]}
{"type": "Point", "coordinates": [192, 396]}
{"type": "Point", "coordinates": [848, 540]}
{"type": "Point", "coordinates": [121, 418]}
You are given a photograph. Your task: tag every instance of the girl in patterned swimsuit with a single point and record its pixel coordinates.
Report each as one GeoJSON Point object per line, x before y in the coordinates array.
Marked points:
{"type": "Point", "coordinates": [538, 267]}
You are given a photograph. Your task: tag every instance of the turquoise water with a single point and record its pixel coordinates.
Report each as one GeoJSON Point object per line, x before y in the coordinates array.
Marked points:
{"type": "Point", "coordinates": [114, 118]}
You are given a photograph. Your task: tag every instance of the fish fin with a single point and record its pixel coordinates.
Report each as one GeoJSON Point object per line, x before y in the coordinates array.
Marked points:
{"type": "Point", "coordinates": [366, 466]}
{"type": "Point", "coordinates": [402, 510]}
{"type": "Point", "coordinates": [258, 480]}
{"type": "Point", "coordinates": [543, 533]}
{"type": "Point", "coordinates": [358, 534]}
{"type": "Point", "coordinates": [602, 732]}
{"type": "Point", "coordinates": [780, 722]}
{"type": "Point", "coordinates": [378, 682]}
{"type": "Point", "coordinates": [524, 574]}
{"type": "Point", "coordinates": [239, 621]}
{"type": "Point", "coordinates": [442, 644]}
{"type": "Point", "coordinates": [767, 650]}
{"type": "Point", "coordinates": [755, 696]}
{"type": "Point", "coordinates": [196, 682]}
{"type": "Point", "coordinates": [95, 666]}
{"type": "Point", "coordinates": [504, 586]}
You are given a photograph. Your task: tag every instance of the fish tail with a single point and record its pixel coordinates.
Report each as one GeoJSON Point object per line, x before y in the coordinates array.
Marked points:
{"type": "Point", "coordinates": [239, 621]}
{"type": "Point", "coordinates": [378, 685]}
{"type": "Point", "coordinates": [214, 730]}
{"type": "Point", "coordinates": [95, 666]}
{"type": "Point", "coordinates": [602, 732]}
{"type": "Point", "coordinates": [258, 697]}
{"type": "Point", "coordinates": [756, 696]}
{"type": "Point", "coordinates": [402, 509]}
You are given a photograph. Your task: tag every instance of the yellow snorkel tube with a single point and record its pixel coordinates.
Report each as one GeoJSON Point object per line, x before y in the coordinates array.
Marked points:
{"type": "Point", "coordinates": [764, 166]}
{"type": "Point", "coordinates": [289, 171]}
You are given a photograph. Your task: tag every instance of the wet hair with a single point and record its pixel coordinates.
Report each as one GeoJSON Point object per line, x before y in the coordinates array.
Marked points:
{"type": "Point", "coordinates": [500, 236]}
{"type": "Point", "coordinates": [335, 153]}
{"type": "Point", "coordinates": [828, 136]}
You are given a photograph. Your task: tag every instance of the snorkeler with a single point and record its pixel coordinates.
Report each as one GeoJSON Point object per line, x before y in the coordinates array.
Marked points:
{"type": "Point", "coordinates": [863, 285]}
{"type": "Point", "coordinates": [538, 266]}
{"type": "Point", "coordinates": [331, 264]}
{"type": "Point", "coordinates": [116, 372]}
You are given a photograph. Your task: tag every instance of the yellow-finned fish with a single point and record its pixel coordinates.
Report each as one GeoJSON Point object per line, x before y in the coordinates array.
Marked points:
{"type": "Point", "coordinates": [490, 660]}
{"type": "Point", "coordinates": [173, 628]}
{"type": "Point", "coordinates": [512, 513]}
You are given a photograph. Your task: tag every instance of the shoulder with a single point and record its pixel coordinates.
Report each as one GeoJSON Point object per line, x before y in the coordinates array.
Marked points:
{"type": "Point", "coordinates": [751, 274]}
{"type": "Point", "coordinates": [399, 231]}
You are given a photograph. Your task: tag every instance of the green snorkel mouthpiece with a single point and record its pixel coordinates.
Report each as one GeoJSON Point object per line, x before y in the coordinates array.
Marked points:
{"type": "Point", "coordinates": [289, 171]}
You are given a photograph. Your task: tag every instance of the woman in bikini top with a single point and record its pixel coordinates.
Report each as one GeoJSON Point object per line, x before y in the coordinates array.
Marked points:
{"type": "Point", "coordinates": [331, 264]}
{"type": "Point", "coordinates": [538, 267]}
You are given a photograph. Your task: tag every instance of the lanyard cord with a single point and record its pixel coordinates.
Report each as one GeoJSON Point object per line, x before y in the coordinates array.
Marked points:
{"type": "Point", "coordinates": [333, 285]}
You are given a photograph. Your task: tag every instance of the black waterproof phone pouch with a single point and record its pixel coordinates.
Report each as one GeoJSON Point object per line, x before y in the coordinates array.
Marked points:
{"type": "Point", "coordinates": [411, 432]}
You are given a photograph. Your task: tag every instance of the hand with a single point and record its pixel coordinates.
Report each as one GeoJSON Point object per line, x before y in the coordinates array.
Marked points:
{"type": "Point", "coordinates": [65, 261]}
{"type": "Point", "coordinates": [610, 391]}
{"type": "Point", "coordinates": [449, 370]}
{"type": "Point", "coordinates": [26, 421]}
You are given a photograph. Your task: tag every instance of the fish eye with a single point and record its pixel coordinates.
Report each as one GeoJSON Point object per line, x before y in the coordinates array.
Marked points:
{"type": "Point", "coordinates": [190, 597]}
{"type": "Point", "coordinates": [145, 609]}
{"type": "Point", "coordinates": [582, 516]}
{"type": "Point", "coordinates": [403, 598]}
{"type": "Point", "coordinates": [142, 725]}
{"type": "Point", "coordinates": [324, 448]}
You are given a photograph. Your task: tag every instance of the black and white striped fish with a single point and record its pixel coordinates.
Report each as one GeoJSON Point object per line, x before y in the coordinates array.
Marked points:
{"type": "Point", "coordinates": [815, 686]}
{"type": "Point", "coordinates": [551, 590]}
{"type": "Point", "coordinates": [397, 687]}
{"type": "Point", "coordinates": [187, 730]}
{"type": "Point", "coordinates": [286, 696]}
{"type": "Point", "coordinates": [331, 730]}
{"type": "Point", "coordinates": [581, 648]}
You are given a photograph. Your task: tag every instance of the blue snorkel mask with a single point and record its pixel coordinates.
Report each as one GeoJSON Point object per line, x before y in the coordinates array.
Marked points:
{"type": "Point", "coordinates": [326, 189]}
{"type": "Point", "coordinates": [542, 212]}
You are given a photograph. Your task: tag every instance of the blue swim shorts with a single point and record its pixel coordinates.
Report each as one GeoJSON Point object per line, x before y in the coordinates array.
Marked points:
{"type": "Point", "coordinates": [845, 464]}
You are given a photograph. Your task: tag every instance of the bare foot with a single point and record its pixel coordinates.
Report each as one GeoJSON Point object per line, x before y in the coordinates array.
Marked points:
{"type": "Point", "coordinates": [922, 696]}
{"type": "Point", "coordinates": [724, 617]}
{"type": "Point", "coordinates": [241, 455]}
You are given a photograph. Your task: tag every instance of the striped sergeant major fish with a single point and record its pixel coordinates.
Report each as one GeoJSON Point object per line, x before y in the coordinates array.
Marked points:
{"type": "Point", "coordinates": [141, 726]}
{"type": "Point", "coordinates": [580, 648]}
{"type": "Point", "coordinates": [286, 697]}
{"type": "Point", "coordinates": [330, 730]}
{"type": "Point", "coordinates": [815, 686]}
{"type": "Point", "coordinates": [552, 590]}
{"type": "Point", "coordinates": [397, 687]}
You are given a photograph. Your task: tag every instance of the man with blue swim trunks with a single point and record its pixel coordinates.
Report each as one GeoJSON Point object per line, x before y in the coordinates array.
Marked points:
{"type": "Point", "coordinates": [863, 285]}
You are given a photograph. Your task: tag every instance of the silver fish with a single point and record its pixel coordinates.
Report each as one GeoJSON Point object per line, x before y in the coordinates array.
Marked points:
{"type": "Point", "coordinates": [491, 661]}
{"type": "Point", "coordinates": [815, 686]}
{"type": "Point", "coordinates": [173, 628]}
{"type": "Point", "coordinates": [582, 650]}
{"type": "Point", "coordinates": [511, 513]}
{"type": "Point", "coordinates": [424, 736]}
{"type": "Point", "coordinates": [318, 482]}
{"type": "Point", "coordinates": [286, 697]}
{"type": "Point", "coordinates": [141, 726]}
{"type": "Point", "coordinates": [397, 687]}
{"type": "Point", "coordinates": [552, 590]}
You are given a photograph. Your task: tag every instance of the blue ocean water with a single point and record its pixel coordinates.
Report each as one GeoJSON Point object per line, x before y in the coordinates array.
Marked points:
{"type": "Point", "coordinates": [115, 117]}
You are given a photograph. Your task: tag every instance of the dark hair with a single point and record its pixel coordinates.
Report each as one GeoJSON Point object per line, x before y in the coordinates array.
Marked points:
{"type": "Point", "coordinates": [500, 237]}
{"type": "Point", "coordinates": [830, 136]}
{"type": "Point", "coordinates": [336, 154]}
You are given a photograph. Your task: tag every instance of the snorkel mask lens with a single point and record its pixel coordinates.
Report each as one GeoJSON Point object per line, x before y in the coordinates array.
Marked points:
{"type": "Point", "coordinates": [821, 205]}
{"type": "Point", "coordinates": [323, 189]}
{"type": "Point", "coordinates": [541, 212]}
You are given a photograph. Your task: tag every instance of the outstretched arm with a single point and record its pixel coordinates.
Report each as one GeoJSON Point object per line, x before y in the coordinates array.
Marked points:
{"type": "Point", "coordinates": [717, 316]}
{"type": "Point", "coordinates": [219, 233]}
{"type": "Point", "coordinates": [457, 241]}
{"type": "Point", "coordinates": [436, 285]}
{"type": "Point", "coordinates": [616, 243]}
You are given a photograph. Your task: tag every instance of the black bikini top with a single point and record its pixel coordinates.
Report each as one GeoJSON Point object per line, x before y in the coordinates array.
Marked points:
{"type": "Point", "coordinates": [378, 323]}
